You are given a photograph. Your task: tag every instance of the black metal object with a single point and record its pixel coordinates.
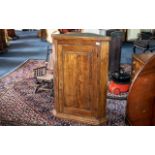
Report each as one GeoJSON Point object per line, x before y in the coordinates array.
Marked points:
{"type": "Point", "coordinates": [121, 77]}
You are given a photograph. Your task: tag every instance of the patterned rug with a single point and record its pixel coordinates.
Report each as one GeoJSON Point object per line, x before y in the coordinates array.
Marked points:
{"type": "Point", "coordinates": [19, 105]}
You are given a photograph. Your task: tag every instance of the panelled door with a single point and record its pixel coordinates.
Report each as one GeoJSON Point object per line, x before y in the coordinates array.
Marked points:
{"type": "Point", "coordinates": [78, 79]}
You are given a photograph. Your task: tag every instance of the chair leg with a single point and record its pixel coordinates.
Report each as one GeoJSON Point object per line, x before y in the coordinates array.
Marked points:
{"type": "Point", "coordinates": [51, 88]}
{"type": "Point", "coordinates": [152, 50]}
{"type": "Point", "coordinates": [37, 88]}
{"type": "Point", "coordinates": [52, 93]}
{"type": "Point", "coordinates": [134, 49]}
{"type": "Point", "coordinates": [144, 50]}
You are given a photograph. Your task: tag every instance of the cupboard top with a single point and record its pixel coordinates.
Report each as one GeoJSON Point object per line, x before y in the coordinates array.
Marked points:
{"type": "Point", "coordinates": [83, 36]}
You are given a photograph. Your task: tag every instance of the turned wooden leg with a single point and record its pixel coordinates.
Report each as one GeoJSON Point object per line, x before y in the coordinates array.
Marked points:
{"type": "Point", "coordinates": [37, 88]}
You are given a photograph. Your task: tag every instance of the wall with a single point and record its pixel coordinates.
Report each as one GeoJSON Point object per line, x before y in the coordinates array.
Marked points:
{"type": "Point", "coordinates": [132, 34]}
{"type": "Point", "coordinates": [50, 32]}
{"type": "Point", "coordinates": [97, 31]}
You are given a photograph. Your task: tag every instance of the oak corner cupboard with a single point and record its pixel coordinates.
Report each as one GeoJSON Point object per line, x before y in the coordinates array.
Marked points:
{"type": "Point", "coordinates": [80, 77]}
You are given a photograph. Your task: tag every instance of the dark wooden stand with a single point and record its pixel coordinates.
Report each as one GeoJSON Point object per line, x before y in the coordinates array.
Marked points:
{"type": "Point", "coordinates": [3, 43]}
{"type": "Point", "coordinates": [43, 34]}
{"type": "Point", "coordinates": [11, 33]}
{"type": "Point", "coordinates": [115, 51]}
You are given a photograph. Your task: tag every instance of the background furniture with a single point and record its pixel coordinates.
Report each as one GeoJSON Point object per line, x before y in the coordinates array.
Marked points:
{"type": "Point", "coordinates": [3, 39]}
{"type": "Point", "coordinates": [146, 35]}
{"type": "Point", "coordinates": [145, 42]}
{"type": "Point", "coordinates": [63, 31]}
{"type": "Point", "coordinates": [43, 34]}
{"type": "Point", "coordinates": [80, 77]}
{"type": "Point", "coordinates": [44, 77]}
{"type": "Point", "coordinates": [141, 44]}
{"type": "Point", "coordinates": [109, 31]}
{"type": "Point", "coordinates": [141, 98]}
{"type": "Point", "coordinates": [139, 61]}
{"type": "Point", "coordinates": [11, 33]}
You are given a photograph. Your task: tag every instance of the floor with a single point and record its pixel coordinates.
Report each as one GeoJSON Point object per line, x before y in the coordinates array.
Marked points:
{"type": "Point", "coordinates": [28, 46]}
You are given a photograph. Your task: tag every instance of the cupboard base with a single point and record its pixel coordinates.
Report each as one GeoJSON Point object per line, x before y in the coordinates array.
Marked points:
{"type": "Point", "coordinates": [89, 121]}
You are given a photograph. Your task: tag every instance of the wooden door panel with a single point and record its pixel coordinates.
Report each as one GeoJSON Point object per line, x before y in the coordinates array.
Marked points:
{"type": "Point", "coordinates": [69, 79]}
{"type": "Point", "coordinates": [77, 79]}
{"type": "Point", "coordinates": [78, 49]}
{"type": "Point", "coordinates": [77, 75]}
